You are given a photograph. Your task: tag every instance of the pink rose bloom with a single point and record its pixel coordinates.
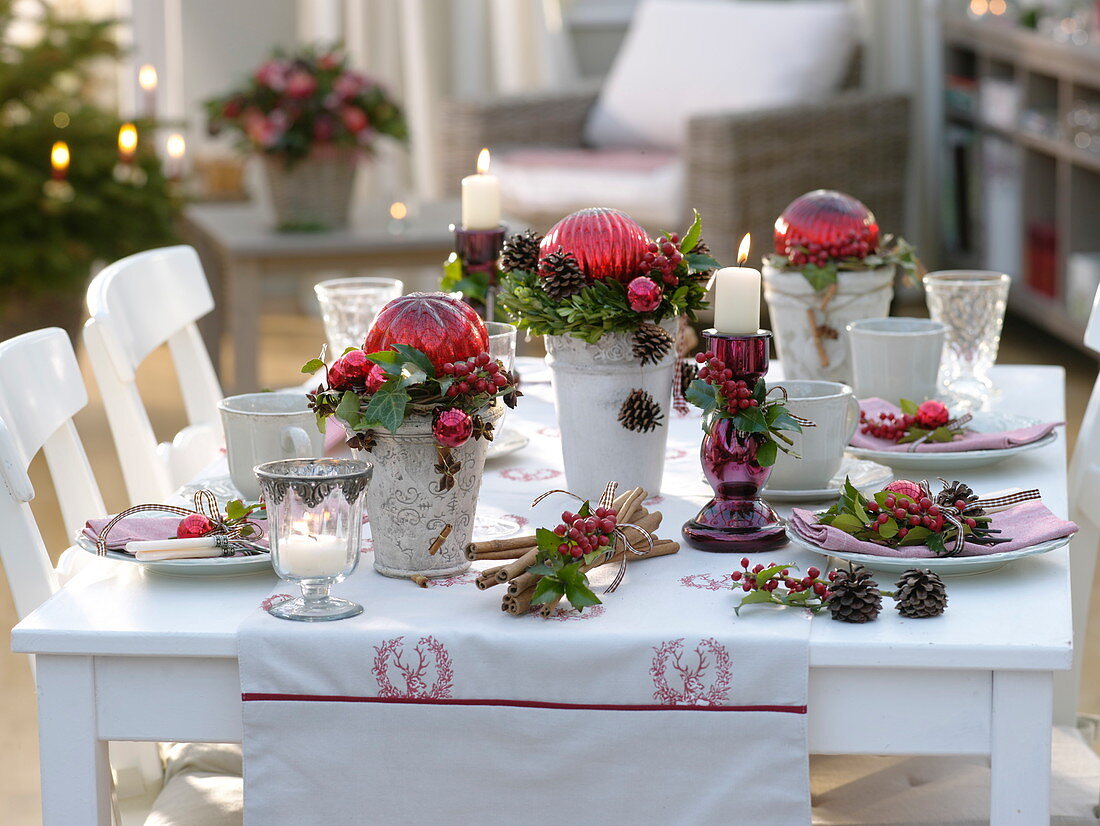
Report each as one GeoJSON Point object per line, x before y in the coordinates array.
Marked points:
{"type": "Point", "coordinates": [355, 119]}
{"type": "Point", "coordinates": [932, 414]}
{"type": "Point", "coordinates": [272, 74]}
{"type": "Point", "coordinates": [300, 84]}
{"type": "Point", "coordinates": [348, 85]}
{"type": "Point", "coordinates": [643, 294]}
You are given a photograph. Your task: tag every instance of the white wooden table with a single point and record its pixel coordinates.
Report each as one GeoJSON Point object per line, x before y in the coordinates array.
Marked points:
{"type": "Point", "coordinates": [122, 656]}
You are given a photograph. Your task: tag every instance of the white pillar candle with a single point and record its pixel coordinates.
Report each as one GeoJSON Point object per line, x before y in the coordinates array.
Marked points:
{"type": "Point", "coordinates": [481, 197]}
{"type": "Point", "coordinates": [736, 296]}
{"type": "Point", "coordinates": [313, 556]}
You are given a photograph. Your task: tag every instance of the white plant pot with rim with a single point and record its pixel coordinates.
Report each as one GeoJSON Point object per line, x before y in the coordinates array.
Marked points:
{"type": "Point", "coordinates": [791, 301]}
{"type": "Point", "coordinates": [591, 382]}
{"type": "Point", "coordinates": [407, 508]}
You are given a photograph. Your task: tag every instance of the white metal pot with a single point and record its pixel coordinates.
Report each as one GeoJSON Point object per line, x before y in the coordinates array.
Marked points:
{"type": "Point", "coordinates": [591, 382]}
{"type": "Point", "coordinates": [407, 508]}
{"type": "Point", "coordinates": [796, 308]}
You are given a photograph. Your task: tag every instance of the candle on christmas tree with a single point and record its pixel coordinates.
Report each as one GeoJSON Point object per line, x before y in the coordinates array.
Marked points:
{"type": "Point", "coordinates": [59, 160]}
{"type": "Point", "coordinates": [176, 147]}
{"type": "Point", "coordinates": [737, 296]}
{"type": "Point", "coordinates": [127, 142]}
{"type": "Point", "coordinates": [147, 80]}
{"type": "Point", "coordinates": [481, 197]}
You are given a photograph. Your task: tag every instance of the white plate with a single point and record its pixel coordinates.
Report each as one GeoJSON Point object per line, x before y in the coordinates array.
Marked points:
{"type": "Point", "coordinates": [506, 442]}
{"type": "Point", "coordinates": [939, 463]}
{"type": "Point", "coordinates": [215, 566]}
{"type": "Point", "coordinates": [944, 566]}
{"type": "Point", "coordinates": [865, 475]}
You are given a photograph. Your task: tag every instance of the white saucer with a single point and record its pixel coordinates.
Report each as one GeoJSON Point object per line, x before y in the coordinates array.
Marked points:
{"type": "Point", "coordinates": [865, 475]}
{"type": "Point", "coordinates": [506, 442]}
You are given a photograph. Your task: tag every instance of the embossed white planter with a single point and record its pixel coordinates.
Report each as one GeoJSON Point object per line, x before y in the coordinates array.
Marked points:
{"type": "Point", "coordinates": [407, 508]}
{"type": "Point", "coordinates": [863, 294]}
{"type": "Point", "coordinates": [591, 382]}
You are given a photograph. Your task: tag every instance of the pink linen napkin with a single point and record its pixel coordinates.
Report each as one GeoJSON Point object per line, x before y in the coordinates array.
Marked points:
{"type": "Point", "coordinates": [1025, 525]}
{"type": "Point", "coordinates": [968, 441]}
{"type": "Point", "coordinates": [133, 529]}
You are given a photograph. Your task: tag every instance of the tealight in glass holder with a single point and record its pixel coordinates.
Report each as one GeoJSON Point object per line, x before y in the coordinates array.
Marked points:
{"type": "Point", "coordinates": [315, 519]}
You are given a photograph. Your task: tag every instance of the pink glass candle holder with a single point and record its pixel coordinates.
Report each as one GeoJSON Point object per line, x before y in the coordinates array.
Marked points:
{"type": "Point", "coordinates": [736, 520]}
{"type": "Point", "coordinates": [479, 250]}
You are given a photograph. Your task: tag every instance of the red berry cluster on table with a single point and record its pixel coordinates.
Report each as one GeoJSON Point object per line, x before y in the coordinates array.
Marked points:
{"type": "Point", "coordinates": [825, 231]}
{"type": "Point", "coordinates": [928, 421]}
{"type": "Point", "coordinates": [582, 535]}
{"type": "Point", "coordinates": [752, 410]}
{"type": "Point", "coordinates": [849, 595]}
{"type": "Point", "coordinates": [596, 272]}
{"type": "Point", "coordinates": [908, 513]}
{"type": "Point", "coordinates": [425, 355]}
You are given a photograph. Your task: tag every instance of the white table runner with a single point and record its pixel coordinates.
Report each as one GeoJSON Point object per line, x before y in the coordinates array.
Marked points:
{"type": "Point", "coordinates": [658, 706]}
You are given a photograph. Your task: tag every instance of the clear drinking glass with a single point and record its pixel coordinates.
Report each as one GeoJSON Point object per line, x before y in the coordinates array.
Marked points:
{"type": "Point", "coordinates": [349, 305]}
{"type": "Point", "coordinates": [491, 523]}
{"type": "Point", "coordinates": [971, 303]}
{"type": "Point", "coordinates": [315, 517]}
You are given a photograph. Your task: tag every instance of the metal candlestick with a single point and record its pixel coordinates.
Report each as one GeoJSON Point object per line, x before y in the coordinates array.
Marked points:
{"type": "Point", "coordinates": [479, 250]}
{"type": "Point", "coordinates": [736, 520]}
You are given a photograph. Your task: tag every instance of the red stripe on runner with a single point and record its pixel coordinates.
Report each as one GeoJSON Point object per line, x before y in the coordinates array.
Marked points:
{"type": "Point", "coordinates": [339, 698]}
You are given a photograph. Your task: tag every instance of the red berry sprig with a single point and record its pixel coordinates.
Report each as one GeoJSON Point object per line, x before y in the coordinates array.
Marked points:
{"type": "Point", "coordinates": [736, 395]}
{"type": "Point", "coordinates": [663, 257]}
{"type": "Point", "coordinates": [584, 534]}
{"type": "Point", "coordinates": [478, 374]}
{"type": "Point", "coordinates": [776, 585]}
{"type": "Point", "coordinates": [802, 252]}
{"type": "Point", "coordinates": [890, 426]}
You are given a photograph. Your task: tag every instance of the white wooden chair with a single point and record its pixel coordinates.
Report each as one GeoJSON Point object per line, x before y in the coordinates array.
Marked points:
{"type": "Point", "coordinates": [136, 305]}
{"type": "Point", "coordinates": [935, 790]}
{"type": "Point", "coordinates": [41, 389]}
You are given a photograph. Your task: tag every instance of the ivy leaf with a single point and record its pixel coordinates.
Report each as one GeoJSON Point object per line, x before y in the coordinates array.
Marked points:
{"type": "Point", "coordinates": [347, 410]}
{"type": "Point", "coordinates": [388, 360]}
{"type": "Point", "coordinates": [413, 356]}
{"type": "Point", "coordinates": [547, 540]}
{"type": "Point", "coordinates": [691, 237]}
{"type": "Point", "coordinates": [547, 589]}
{"type": "Point", "coordinates": [387, 406]}
{"type": "Point", "coordinates": [820, 277]}
{"type": "Point", "coordinates": [312, 366]}
{"type": "Point", "coordinates": [702, 395]}
{"type": "Point", "coordinates": [766, 453]}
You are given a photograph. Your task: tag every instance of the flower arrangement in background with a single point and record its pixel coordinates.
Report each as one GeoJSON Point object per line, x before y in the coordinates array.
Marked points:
{"type": "Point", "coordinates": [293, 103]}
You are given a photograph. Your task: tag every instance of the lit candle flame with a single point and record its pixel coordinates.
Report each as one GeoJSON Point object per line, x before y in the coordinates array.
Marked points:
{"type": "Point", "coordinates": [147, 77]}
{"type": "Point", "coordinates": [398, 211]}
{"type": "Point", "coordinates": [483, 161]}
{"type": "Point", "coordinates": [743, 249]}
{"type": "Point", "coordinates": [176, 146]}
{"type": "Point", "coordinates": [59, 157]}
{"type": "Point", "coordinates": [127, 139]}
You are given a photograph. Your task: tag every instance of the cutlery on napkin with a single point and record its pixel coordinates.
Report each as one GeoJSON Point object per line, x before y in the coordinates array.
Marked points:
{"type": "Point", "coordinates": [153, 538]}
{"type": "Point", "coordinates": [971, 440]}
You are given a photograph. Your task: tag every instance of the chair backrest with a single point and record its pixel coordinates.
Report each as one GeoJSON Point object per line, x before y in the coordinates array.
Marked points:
{"type": "Point", "coordinates": [41, 389]}
{"type": "Point", "coordinates": [136, 305]}
{"type": "Point", "coordinates": [1084, 493]}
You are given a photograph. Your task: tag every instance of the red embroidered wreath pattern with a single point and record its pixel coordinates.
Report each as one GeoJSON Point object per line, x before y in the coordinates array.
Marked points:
{"type": "Point", "coordinates": [467, 578]}
{"type": "Point", "coordinates": [707, 582]}
{"type": "Point", "coordinates": [518, 474]}
{"type": "Point", "coordinates": [549, 432]}
{"type": "Point", "coordinates": [675, 453]}
{"type": "Point", "coordinates": [273, 600]}
{"type": "Point", "coordinates": [428, 652]}
{"type": "Point", "coordinates": [704, 674]}
{"type": "Point", "coordinates": [570, 614]}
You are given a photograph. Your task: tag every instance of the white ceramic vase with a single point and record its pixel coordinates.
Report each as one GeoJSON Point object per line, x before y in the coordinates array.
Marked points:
{"type": "Point", "coordinates": [407, 508]}
{"type": "Point", "coordinates": [790, 297]}
{"type": "Point", "coordinates": [591, 382]}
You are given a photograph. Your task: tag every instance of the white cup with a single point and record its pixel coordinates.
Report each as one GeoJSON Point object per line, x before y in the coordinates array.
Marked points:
{"type": "Point", "coordinates": [896, 358]}
{"type": "Point", "coordinates": [264, 427]}
{"type": "Point", "coordinates": [834, 410]}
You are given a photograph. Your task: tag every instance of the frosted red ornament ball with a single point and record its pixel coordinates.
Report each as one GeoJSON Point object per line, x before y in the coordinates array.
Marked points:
{"type": "Point", "coordinates": [825, 217]}
{"type": "Point", "coordinates": [443, 328]}
{"type": "Point", "coordinates": [607, 243]}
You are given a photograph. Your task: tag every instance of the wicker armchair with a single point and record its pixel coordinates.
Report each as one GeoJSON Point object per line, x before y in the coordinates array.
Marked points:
{"type": "Point", "coordinates": [742, 169]}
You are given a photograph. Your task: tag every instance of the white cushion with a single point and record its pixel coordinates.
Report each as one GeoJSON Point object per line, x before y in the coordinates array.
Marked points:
{"type": "Point", "coordinates": [934, 791]}
{"type": "Point", "coordinates": [202, 787]}
{"type": "Point", "coordinates": [543, 185]}
{"type": "Point", "coordinates": [687, 57]}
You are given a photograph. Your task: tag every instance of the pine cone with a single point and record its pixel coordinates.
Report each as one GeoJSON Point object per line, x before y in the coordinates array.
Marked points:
{"type": "Point", "coordinates": [561, 275]}
{"type": "Point", "coordinates": [651, 342]}
{"type": "Point", "coordinates": [700, 247]}
{"type": "Point", "coordinates": [521, 252]}
{"type": "Point", "coordinates": [689, 372]}
{"type": "Point", "coordinates": [854, 596]}
{"type": "Point", "coordinates": [640, 412]}
{"type": "Point", "coordinates": [921, 593]}
{"type": "Point", "coordinates": [954, 491]}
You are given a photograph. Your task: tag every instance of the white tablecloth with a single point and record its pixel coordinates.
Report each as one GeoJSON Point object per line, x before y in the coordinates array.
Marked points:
{"type": "Point", "coordinates": [659, 706]}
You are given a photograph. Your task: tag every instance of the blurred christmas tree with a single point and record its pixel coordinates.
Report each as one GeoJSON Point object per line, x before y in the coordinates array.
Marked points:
{"type": "Point", "coordinates": [52, 231]}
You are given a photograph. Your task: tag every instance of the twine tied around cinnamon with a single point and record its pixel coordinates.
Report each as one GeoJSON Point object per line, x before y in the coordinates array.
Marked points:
{"type": "Point", "coordinates": [607, 499]}
{"type": "Point", "coordinates": [224, 530]}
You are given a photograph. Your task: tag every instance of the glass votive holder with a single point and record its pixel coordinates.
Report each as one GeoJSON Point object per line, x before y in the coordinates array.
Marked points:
{"type": "Point", "coordinates": [315, 518]}
{"type": "Point", "coordinates": [349, 305]}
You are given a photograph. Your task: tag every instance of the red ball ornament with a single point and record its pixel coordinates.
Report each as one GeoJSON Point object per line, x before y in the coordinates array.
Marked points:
{"type": "Point", "coordinates": [906, 488]}
{"type": "Point", "coordinates": [607, 243]}
{"type": "Point", "coordinates": [376, 377]}
{"type": "Point", "coordinates": [643, 294]}
{"type": "Point", "coordinates": [194, 525]}
{"type": "Point", "coordinates": [452, 427]}
{"type": "Point", "coordinates": [337, 378]}
{"type": "Point", "coordinates": [443, 328]}
{"type": "Point", "coordinates": [826, 219]}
